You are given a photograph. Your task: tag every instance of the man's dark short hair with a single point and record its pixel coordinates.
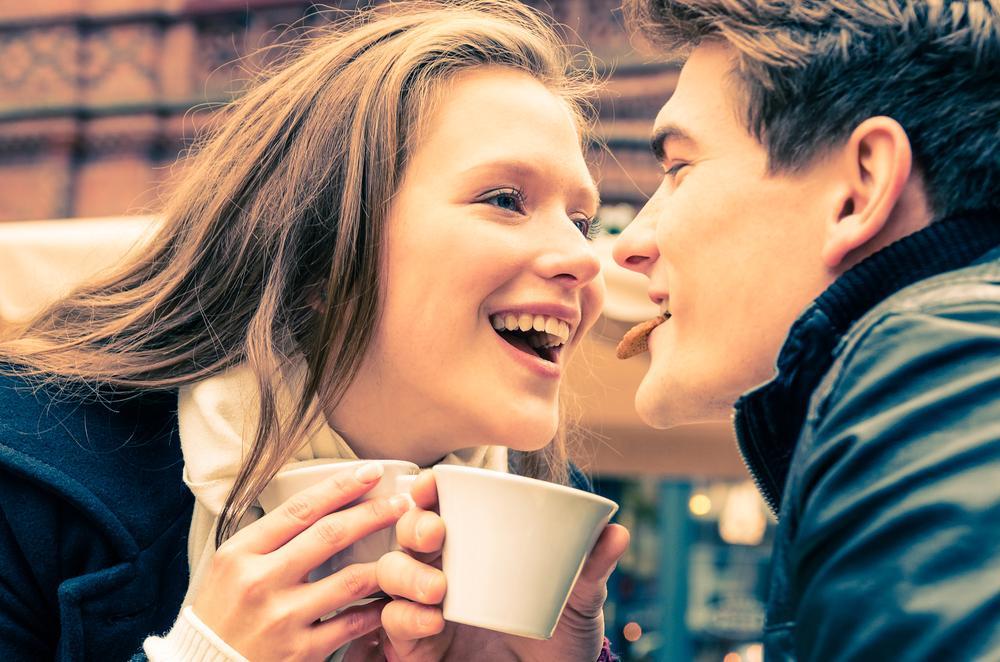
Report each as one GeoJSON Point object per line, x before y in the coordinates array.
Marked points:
{"type": "Point", "coordinates": [811, 70]}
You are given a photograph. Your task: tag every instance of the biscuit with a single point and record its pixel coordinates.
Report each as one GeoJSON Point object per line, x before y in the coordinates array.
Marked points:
{"type": "Point", "coordinates": [636, 339]}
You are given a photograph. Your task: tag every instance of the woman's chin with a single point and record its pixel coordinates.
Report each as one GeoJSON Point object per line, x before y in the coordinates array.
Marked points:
{"type": "Point", "coordinates": [528, 435]}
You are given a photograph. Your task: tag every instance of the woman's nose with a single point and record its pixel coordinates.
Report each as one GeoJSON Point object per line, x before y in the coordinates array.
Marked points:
{"type": "Point", "coordinates": [635, 248]}
{"type": "Point", "coordinates": [569, 259]}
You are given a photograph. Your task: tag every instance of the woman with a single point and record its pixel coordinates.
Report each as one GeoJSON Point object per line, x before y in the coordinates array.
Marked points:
{"type": "Point", "coordinates": [381, 253]}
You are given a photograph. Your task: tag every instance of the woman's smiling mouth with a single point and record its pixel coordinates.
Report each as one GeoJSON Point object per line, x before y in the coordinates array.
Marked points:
{"type": "Point", "coordinates": [541, 336]}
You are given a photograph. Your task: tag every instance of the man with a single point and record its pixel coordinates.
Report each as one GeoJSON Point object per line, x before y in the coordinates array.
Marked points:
{"type": "Point", "coordinates": [826, 241]}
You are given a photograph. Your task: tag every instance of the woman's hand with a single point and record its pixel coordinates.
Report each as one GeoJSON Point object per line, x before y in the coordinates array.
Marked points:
{"type": "Point", "coordinates": [255, 596]}
{"type": "Point", "coordinates": [413, 629]}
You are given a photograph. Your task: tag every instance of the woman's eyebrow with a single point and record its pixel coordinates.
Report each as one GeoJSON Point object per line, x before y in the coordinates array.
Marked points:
{"type": "Point", "coordinates": [527, 170]}
{"type": "Point", "coordinates": [591, 195]}
{"type": "Point", "coordinates": [519, 169]}
{"type": "Point", "coordinates": [664, 133]}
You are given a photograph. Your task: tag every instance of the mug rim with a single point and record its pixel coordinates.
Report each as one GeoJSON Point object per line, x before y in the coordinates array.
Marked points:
{"type": "Point", "coordinates": [525, 480]}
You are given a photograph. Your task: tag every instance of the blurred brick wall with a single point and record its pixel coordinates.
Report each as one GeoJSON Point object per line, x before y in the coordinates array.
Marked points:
{"type": "Point", "coordinates": [95, 94]}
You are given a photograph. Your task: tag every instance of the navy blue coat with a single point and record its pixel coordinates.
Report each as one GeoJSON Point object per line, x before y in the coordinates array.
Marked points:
{"type": "Point", "coordinates": [94, 518]}
{"type": "Point", "coordinates": [93, 524]}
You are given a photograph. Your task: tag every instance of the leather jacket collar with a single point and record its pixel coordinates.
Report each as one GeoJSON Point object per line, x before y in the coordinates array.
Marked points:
{"type": "Point", "coordinates": [769, 417]}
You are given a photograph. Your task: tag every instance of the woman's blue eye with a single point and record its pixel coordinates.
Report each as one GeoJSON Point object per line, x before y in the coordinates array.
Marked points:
{"type": "Point", "coordinates": [507, 201]}
{"type": "Point", "coordinates": [588, 227]}
{"type": "Point", "coordinates": [510, 200]}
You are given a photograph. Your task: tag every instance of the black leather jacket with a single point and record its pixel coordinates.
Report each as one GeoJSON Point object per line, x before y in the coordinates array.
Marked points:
{"type": "Point", "coordinates": [878, 446]}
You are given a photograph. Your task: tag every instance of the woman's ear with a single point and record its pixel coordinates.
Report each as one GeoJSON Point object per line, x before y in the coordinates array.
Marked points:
{"type": "Point", "coordinates": [316, 298]}
{"type": "Point", "coordinates": [875, 164]}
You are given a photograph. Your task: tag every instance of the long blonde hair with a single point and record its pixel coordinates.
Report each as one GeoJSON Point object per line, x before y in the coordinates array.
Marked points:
{"type": "Point", "coordinates": [283, 206]}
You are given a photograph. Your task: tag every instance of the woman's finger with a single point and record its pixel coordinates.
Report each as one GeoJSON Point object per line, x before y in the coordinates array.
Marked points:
{"type": "Point", "coordinates": [424, 490]}
{"type": "Point", "coordinates": [609, 548]}
{"type": "Point", "coordinates": [335, 532]}
{"type": "Point", "coordinates": [590, 590]}
{"type": "Point", "coordinates": [421, 531]}
{"type": "Point", "coordinates": [406, 623]}
{"type": "Point", "coordinates": [355, 582]}
{"type": "Point", "coordinates": [401, 575]}
{"type": "Point", "coordinates": [305, 509]}
{"type": "Point", "coordinates": [345, 627]}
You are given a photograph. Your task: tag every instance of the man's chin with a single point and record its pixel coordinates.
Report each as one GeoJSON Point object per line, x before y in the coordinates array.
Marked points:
{"type": "Point", "coordinates": [664, 406]}
{"type": "Point", "coordinates": [654, 410]}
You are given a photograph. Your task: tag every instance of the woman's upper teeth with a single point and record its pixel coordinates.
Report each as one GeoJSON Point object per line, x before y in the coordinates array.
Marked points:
{"type": "Point", "coordinates": [555, 328]}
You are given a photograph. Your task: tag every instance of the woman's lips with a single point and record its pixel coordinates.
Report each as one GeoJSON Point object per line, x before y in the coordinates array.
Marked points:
{"type": "Point", "coordinates": [636, 339]}
{"type": "Point", "coordinates": [527, 358]}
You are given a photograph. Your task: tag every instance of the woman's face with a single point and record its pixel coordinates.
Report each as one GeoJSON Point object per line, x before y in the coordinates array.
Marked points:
{"type": "Point", "coordinates": [488, 230]}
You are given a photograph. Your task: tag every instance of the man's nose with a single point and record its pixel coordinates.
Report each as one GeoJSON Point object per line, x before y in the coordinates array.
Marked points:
{"type": "Point", "coordinates": [635, 248]}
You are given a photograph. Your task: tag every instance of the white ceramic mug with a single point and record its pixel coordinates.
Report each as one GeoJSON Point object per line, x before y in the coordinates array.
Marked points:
{"type": "Point", "coordinates": [514, 547]}
{"type": "Point", "coordinates": [397, 477]}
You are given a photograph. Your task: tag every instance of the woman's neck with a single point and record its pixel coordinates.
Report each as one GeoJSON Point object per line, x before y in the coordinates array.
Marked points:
{"type": "Point", "coordinates": [379, 438]}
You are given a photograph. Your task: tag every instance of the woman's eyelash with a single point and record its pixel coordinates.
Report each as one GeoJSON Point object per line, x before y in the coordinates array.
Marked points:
{"type": "Point", "coordinates": [512, 196]}
{"type": "Point", "coordinates": [515, 202]}
{"type": "Point", "coordinates": [674, 169]}
{"type": "Point", "coordinates": [593, 229]}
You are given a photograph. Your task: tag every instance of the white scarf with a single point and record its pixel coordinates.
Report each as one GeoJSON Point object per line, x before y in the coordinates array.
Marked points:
{"type": "Point", "coordinates": [218, 419]}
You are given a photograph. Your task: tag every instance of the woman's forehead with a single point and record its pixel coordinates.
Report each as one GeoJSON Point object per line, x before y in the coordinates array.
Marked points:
{"type": "Point", "coordinates": [496, 115]}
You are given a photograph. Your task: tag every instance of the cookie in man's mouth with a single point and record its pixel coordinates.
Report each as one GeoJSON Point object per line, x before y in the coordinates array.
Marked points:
{"type": "Point", "coordinates": [636, 339]}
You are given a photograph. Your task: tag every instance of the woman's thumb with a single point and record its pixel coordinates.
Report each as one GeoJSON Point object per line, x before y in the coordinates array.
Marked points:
{"type": "Point", "coordinates": [590, 590]}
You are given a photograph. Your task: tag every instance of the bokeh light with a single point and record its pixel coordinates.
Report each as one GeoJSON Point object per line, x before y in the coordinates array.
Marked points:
{"type": "Point", "coordinates": [632, 631]}
{"type": "Point", "coordinates": [700, 504]}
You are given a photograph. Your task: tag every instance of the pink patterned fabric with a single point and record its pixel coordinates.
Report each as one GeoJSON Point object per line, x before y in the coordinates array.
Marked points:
{"type": "Point", "coordinates": [606, 654]}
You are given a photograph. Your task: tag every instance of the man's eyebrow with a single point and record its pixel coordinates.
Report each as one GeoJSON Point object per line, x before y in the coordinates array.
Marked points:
{"type": "Point", "coordinates": [661, 134]}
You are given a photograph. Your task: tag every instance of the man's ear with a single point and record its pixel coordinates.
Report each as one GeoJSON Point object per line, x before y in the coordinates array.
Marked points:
{"type": "Point", "coordinates": [876, 163]}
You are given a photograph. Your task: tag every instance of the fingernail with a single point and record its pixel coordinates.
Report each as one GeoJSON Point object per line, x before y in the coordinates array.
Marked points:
{"type": "Point", "coordinates": [368, 472]}
{"type": "Point", "coordinates": [427, 583]}
{"type": "Point", "coordinates": [402, 502]}
{"type": "Point", "coordinates": [424, 525]}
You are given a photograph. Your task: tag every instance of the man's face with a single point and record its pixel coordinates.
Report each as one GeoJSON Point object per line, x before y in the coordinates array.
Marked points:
{"type": "Point", "coordinates": [731, 251]}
